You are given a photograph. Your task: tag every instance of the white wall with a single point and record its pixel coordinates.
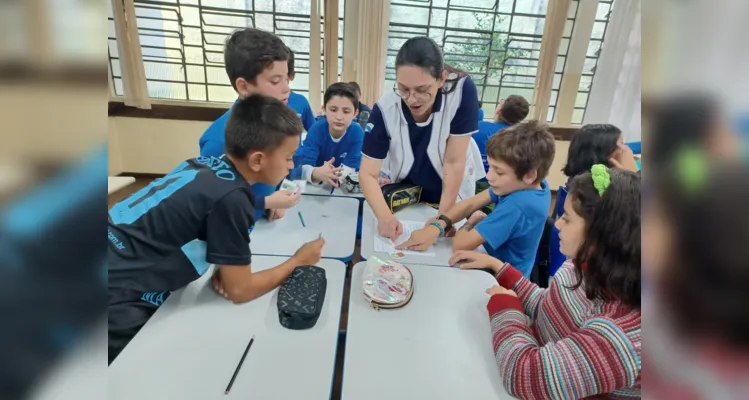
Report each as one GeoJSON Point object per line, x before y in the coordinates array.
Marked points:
{"type": "Point", "coordinates": [152, 146]}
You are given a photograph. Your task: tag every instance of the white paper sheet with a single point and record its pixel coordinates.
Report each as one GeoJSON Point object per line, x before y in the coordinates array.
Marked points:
{"type": "Point", "coordinates": [385, 245]}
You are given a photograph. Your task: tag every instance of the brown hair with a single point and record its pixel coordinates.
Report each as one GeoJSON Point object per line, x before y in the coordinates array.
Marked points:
{"type": "Point", "coordinates": [514, 109]}
{"type": "Point", "coordinates": [524, 147]}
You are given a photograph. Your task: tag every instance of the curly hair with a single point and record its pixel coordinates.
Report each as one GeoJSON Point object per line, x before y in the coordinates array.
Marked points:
{"type": "Point", "coordinates": [610, 251]}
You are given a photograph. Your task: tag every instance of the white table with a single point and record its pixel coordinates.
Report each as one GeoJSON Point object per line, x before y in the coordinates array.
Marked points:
{"type": "Point", "coordinates": [115, 183]}
{"type": "Point", "coordinates": [418, 212]}
{"type": "Point", "coordinates": [190, 348]}
{"type": "Point", "coordinates": [439, 346]}
{"type": "Point", "coordinates": [334, 217]}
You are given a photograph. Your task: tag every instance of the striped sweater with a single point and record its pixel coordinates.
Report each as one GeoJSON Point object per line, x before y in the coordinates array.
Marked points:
{"type": "Point", "coordinates": [555, 343]}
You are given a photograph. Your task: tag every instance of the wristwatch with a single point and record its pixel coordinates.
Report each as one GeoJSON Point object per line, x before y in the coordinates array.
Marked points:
{"type": "Point", "coordinates": [448, 222]}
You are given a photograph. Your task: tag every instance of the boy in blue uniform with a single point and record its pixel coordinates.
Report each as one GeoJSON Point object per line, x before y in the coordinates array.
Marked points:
{"type": "Point", "coordinates": [519, 161]}
{"type": "Point", "coordinates": [166, 235]}
{"type": "Point", "coordinates": [298, 102]}
{"type": "Point", "coordinates": [256, 63]}
{"type": "Point", "coordinates": [335, 142]}
{"type": "Point", "coordinates": [510, 111]}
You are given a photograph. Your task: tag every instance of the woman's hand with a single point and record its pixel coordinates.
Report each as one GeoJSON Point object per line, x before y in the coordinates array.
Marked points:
{"type": "Point", "coordinates": [473, 259]}
{"type": "Point", "coordinates": [389, 227]}
{"type": "Point", "coordinates": [282, 199]}
{"type": "Point", "coordinates": [327, 173]}
{"type": "Point", "coordinates": [421, 240]}
{"type": "Point", "coordinates": [500, 290]}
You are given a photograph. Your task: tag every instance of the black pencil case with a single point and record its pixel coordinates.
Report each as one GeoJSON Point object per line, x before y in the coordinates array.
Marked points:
{"type": "Point", "coordinates": [401, 195]}
{"type": "Point", "coordinates": [301, 296]}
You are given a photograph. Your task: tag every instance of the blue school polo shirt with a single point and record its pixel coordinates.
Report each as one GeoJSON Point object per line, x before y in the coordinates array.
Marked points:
{"type": "Point", "coordinates": [319, 146]}
{"type": "Point", "coordinates": [487, 130]}
{"type": "Point", "coordinates": [513, 230]}
{"type": "Point", "coordinates": [300, 104]}
{"type": "Point", "coordinates": [213, 144]}
{"type": "Point", "coordinates": [377, 142]}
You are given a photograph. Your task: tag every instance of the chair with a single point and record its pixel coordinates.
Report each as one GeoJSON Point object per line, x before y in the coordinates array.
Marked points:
{"type": "Point", "coordinates": [635, 146]}
{"type": "Point", "coordinates": [540, 273]}
{"type": "Point", "coordinates": [548, 256]}
{"type": "Point", "coordinates": [556, 257]}
{"type": "Point", "coordinates": [559, 205]}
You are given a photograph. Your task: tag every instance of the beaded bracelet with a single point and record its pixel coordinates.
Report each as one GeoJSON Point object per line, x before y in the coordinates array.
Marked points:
{"type": "Point", "coordinates": [439, 226]}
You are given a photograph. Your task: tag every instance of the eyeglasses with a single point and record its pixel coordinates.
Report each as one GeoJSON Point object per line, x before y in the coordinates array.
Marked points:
{"type": "Point", "coordinates": [419, 96]}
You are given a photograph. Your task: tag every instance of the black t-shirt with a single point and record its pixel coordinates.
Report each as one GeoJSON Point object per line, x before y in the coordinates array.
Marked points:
{"type": "Point", "coordinates": [166, 235]}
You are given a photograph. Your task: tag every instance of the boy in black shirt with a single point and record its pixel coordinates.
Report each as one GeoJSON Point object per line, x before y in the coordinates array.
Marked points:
{"type": "Point", "coordinates": [167, 234]}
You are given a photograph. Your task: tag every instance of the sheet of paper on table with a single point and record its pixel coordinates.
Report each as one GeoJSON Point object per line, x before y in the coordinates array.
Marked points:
{"type": "Point", "coordinates": [385, 245]}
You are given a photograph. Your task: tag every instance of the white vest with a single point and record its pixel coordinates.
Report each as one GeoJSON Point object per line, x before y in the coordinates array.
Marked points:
{"type": "Point", "coordinates": [400, 158]}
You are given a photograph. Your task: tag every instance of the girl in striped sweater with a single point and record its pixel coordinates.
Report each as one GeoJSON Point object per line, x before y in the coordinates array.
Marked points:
{"type": "Point", "coordinates": [581, 337]}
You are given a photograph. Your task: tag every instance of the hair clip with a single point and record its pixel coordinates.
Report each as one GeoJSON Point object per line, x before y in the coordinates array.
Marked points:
{"type": "Point", "coordinates": [692, 168]}
{"type": "Point", "coordinates": [601, 178]}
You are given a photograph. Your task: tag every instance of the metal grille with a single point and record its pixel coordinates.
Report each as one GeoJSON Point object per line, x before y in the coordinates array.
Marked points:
{"type": "Point", "coordinates": [600, 26]}
{"type": "Point", "coordinates": [182, 43]}
{"type": "Point", "coordinates": [496, 41]}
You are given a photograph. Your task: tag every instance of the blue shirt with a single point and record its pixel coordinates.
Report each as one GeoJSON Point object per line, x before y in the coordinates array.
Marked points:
{"type": "Point", "coordinates": [487, 130]}
{"type": "Point", "coordinates": [513, 230]}
{"type": "Point", "coordinates": [481, 114]}
{"type": "Point", "coordinates": [319, 146]}
{"type": "Point", "coordinates": [213, 144]}
{"type": "Point", "coordinates": [300, 104]}
{"type": "Point", "coordinates": [377, 142]}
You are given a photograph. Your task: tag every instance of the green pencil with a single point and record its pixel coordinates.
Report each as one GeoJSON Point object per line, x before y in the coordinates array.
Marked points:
{"type": "Point", "coordinates": [301, 219]}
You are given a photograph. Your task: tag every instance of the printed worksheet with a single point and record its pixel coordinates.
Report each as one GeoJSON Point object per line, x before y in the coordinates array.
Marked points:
{"type": "Point", "coordinates": [385, 245]}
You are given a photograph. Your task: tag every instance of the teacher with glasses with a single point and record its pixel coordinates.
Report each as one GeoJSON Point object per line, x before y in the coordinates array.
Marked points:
{"type": "Point", "coordinates": [421, 133]}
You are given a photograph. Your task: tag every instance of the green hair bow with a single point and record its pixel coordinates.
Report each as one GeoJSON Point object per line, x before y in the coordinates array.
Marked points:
{"type": "Point", "coordinates": [601, 178]}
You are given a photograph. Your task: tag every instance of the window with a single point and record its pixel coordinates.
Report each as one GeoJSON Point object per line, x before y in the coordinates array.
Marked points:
{"type": "Point", "coordinates": [603, 15]}
{"type": "Point", "coordinates": [182, 43]}
{"type": "Point", "coordinates": [561, 64]}
{"type": "Point", "coordinates": [496, 42]}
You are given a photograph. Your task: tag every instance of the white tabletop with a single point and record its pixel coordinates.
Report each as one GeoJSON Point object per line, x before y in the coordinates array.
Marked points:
{"type": "Point", "coordinates": [115, 183]}
{"type": "Point", "coordinates": [334, 217]}
{"type": "Point", "coordinates": [324, 190]}
{"type": "Point", "coordinates": [438, 346]}
{"type": "Point", "coordinates": [418, 212]}
{"type": "Point", "coordinates": [190, 348]}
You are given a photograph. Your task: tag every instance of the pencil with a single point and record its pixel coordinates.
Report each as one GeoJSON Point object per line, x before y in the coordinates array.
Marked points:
{"type": "Point", "coordinates": [301, 219]}
{"type": "Point", "coordinates": [241, 361]}
{"type": "Point", "coordinates": [332, 190]}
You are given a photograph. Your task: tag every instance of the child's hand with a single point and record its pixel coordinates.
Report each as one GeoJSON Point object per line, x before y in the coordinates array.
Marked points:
{"type": "Point", "coordinates": [275, 214]}
{"type": "Point", "coordinates": [500, 290]}
{"type": "Point", "coordinates": [475, 218]}
{"type": "Point", "coordinates": [218, 285]}
{"type": "Point", "coordinates": [421, 240]}
{"type": "Point", "coordinates": [310, 252]}
{"type": "Point", "coordinates": [389, 227]}
{"type": "Point", "coordinates": [473, 259]}
{"type": "Point", "coordinates": [623, 158]}
{"type": "Point", "coordinates": [327, 173]}
{"type": "Point", "coordinates": [282, 199]}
